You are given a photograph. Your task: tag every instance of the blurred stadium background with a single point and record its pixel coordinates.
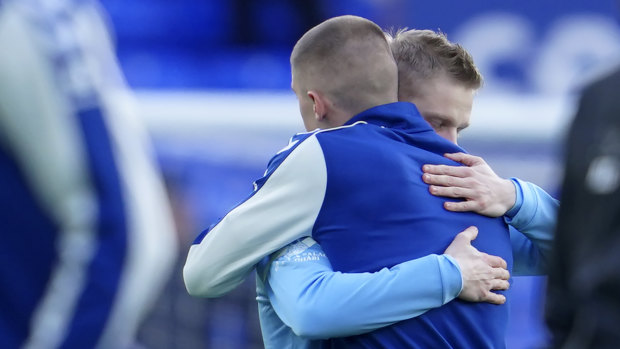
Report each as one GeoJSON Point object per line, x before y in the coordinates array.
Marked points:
{"type": "Point", "coordinates": [212, 83]}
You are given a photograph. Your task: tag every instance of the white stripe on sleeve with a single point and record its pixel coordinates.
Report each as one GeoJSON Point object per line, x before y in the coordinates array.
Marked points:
{"type": "Point", "coordinates": [283, 210]}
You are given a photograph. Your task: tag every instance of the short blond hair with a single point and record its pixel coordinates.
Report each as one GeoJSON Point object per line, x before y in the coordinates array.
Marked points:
{"type": "Point", "coordinates": [424, 54]}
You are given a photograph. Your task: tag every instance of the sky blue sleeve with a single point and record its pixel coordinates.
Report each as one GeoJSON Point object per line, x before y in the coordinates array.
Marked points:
{"type": "Point", "coordinates": [532, 220]}
{"type": "Point", "coordinates": [317, 302]}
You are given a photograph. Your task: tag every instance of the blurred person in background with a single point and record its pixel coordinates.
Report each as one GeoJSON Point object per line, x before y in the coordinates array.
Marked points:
{"type": "Point", "coordinates": [583, 292]}
{"type": "Point", "coordinates": [88, 238]}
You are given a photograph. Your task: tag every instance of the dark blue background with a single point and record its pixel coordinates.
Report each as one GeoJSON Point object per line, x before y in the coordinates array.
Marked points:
{"type": "Point", "coordinates": [245, 44]}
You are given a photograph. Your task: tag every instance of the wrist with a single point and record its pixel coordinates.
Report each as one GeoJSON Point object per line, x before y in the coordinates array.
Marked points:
{"type": "Point", "coordinates": [452, 277]}
{"type": "Point", "coordinates": [518, 197]}
{"type": "Point", "coordinates": [509, 195]}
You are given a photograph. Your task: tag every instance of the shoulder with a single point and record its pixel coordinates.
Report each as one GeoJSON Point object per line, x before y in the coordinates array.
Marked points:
{"type": "Point", "coordinates": [293, 146]}
{"type": "Point", "coordinates": [293, 143]}
{"type": "Point", "coordinates": [300, 159]}
{"type": "Point", "coordinates": [341, 130]}
{"type": "Point", "coordinates": [303, 143]}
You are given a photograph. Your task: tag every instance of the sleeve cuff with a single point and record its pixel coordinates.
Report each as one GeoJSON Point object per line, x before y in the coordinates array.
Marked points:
{"type": "Point", "coordinates": [510, 214]}
{"type": "Point", "coordinates": [451, 277]}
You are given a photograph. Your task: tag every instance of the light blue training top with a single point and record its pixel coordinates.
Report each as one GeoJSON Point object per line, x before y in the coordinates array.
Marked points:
{"type": "Point", "coordinates": [298, 292]}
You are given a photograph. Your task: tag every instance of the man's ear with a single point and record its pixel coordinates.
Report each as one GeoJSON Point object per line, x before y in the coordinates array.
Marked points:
{"type": "Point", "coordinates": [319, 105]}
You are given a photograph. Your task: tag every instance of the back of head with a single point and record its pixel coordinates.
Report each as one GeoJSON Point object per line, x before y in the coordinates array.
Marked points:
{"type": "Point", "coordinates": [349, 60]}
{"type": "Point", "coordinates": [422, 55]}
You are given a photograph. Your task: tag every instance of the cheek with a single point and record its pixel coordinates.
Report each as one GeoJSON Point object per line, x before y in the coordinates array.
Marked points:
{"type": "Point", "coordinates": [442, 133]}
{"type": "Point", "coordinates": [448, 134]}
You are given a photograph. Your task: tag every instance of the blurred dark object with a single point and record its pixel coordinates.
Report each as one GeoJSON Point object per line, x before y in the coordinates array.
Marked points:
{"type": "Point", "coordinates": [273, 22]}
{"type": "Point", "coordinates": [583, 299]}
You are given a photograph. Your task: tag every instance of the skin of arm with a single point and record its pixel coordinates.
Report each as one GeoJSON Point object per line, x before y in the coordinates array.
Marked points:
{"type": "Point", "coordinates": [527, 208]}
{"type": "Point", "coordinates": [317, 302]}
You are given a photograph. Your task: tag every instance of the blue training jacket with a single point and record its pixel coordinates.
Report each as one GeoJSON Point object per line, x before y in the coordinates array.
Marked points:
{"type": "Point", "coordinates": [377, 212]}
{"type": "Point", "coordinates": [357, 190]}
{"type": "Point", "coordinates": [302, 299]}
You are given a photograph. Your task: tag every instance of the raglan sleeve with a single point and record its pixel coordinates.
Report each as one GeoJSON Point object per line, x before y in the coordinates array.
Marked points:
{"type": "Point", "coordinates": [532, 221]}
{"type": "Point", "coordinates": [282, 208]}
{"type": "Point", "coordinates": [317, 302]}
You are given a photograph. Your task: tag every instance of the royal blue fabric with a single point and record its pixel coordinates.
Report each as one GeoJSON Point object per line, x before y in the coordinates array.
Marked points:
{"type": "Point", "coordinates": [377, 213]}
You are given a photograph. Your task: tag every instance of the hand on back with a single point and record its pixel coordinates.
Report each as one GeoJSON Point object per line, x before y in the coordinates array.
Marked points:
{"type": "Point", "coordinates": [483, 191]}
{"type": "Point", "coordinates": [482, 273]}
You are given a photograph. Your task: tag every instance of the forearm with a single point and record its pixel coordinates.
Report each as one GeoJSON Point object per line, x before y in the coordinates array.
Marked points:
{"type": "Point", "coordinates": [317, 302]}
{"type": "Point", "coordinates": [534, 216]}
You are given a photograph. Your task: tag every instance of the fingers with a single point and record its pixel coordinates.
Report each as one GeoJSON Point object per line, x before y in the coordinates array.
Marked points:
{"type": "Point", "coordinates": [461, 179]}
{"type": "Point", "coordinates": [500, 274]}
{"type": "Point", "coordinates": [455, 171]}
{"type": "Point", "coordinates": [494, 261]}
{"type": "Point", "coordinates": [465, 159]}
{"type": "Point", "coordinates": [447, 182]}
{"type": "Point", "coordinates": [452, 192]}
{"type": "Point", "coordinates": [494, 298]}
{"type": "Point", "coordinates": [459, 171]}
{"type": "Point", "coordinates": [469, 234]}
{"type": "Point", "coordinates": [463, 206]}
{"type": "Point", "coordinates": [500, 285]}
{"type": "Point", "coordinates": [462, 243]}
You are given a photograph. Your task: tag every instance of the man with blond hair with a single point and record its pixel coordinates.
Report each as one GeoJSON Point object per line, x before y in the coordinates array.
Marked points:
{"type": "Point", "coordinates": [441, 79]}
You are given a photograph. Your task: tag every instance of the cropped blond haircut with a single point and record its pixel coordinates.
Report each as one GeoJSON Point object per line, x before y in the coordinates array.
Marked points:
{"type": "Point", "coordinates": [424, 54]}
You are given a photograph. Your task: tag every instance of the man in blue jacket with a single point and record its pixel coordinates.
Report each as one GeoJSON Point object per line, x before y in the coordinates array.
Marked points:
{"type": "Point", "coordinates": [354, 187]}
